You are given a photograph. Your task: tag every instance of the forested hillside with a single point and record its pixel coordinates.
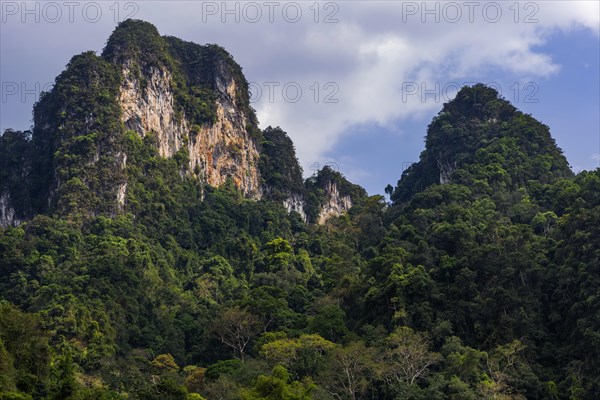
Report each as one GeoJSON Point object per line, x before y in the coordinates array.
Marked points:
{"type": "Point", "coordinates": [480, 280]}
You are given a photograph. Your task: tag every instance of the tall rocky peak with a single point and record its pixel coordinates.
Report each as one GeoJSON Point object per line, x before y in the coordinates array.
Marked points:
{"type": "Point", "coordinates": [109, 117]}
{"type": "Point", "coordinates": [481, 137]}
{"type": "Point", "coordinates": [192, 97]}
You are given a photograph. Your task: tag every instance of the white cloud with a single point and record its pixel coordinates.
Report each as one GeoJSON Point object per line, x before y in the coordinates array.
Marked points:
{"type": "Point", "coordinates": [370, 54]}
{"type": "Point", "coordinates": [383, 58]}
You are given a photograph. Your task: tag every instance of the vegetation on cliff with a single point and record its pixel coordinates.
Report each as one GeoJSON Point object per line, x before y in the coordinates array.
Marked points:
{"type": "Point", "coordinates": [483, 287]}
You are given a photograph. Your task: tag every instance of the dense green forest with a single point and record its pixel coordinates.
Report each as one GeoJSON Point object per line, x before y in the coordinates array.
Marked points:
{"type": "Point", "coordinates": [479, 280]}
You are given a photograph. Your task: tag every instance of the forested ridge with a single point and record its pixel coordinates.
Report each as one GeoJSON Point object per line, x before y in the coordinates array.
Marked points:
{"type": "Point", "coordinates": [479, 280]}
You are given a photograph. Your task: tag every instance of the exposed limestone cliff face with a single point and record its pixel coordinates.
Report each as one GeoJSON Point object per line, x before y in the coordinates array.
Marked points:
{"type": "Point", "coordinates": [446, 171]}
{"type": "Point", "coordinates": [7, 213]}
{"type": "Point", "coordinates": [335, 204]}
{"type": "Point", "coordinates": [122, 186]}
{"type": "Point", "coordinates": [218, 151]}
{"type": "Point", "coordinates": [151, 109]}
{"type": "Point", "coordinates": [329, 194]}
{"type": "Point", "coordinates": [225, 149]}
{"type": "Point", "coordinates": [296, 203]}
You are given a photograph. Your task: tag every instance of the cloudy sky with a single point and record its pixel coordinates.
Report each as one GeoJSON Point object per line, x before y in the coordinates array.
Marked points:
{"type": "Point", "coordinates": [354, 83]}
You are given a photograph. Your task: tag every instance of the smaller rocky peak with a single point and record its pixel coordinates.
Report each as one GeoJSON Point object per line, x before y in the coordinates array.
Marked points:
{"type": "Point", "coordinates": [480, 136]}
{"type": "Point", "coordinates": [330, 194]}
{"type": "Point", "coordinates": [324, 195]}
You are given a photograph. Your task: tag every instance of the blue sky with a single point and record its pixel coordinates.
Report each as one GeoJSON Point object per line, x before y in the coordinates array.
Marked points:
{"type": "Point", "coordinates": [361, 66]}
{"type": "Point", "coordinates": [567, 102]}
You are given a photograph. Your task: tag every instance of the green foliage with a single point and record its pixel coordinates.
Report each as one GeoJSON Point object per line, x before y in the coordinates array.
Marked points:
{"type": "Point", "coordinates": [81, 116]}
{"type": "Point", "coordinates": [222, 367]}
{"type": "Point", "coordinates": [407, 357]}
{"type": "Point", "coordinates": [25, 349]}
{"type": "Point", "coordinates": [279, 167]}
{"type": "Point", "coordinates": [483, 287]}
{"type": "Point", "coordinates": [71, 157]}
{"type": "Point", "coordinates": [351, 371]}
{"type": "Point", "coordinates": [14, 396]}
{"type": "Point", "coordinates": [276, 387]}
{"type": "Point", "coordinates": [15, 159]}
{"type": "Point", "coordinates": [137, 40]}
{"type": "Point", "coordinates": [304, 356]}
{"type": "Point", "coordinates": [478, 139]}
{"type": "Point", "coordinates": [329, 322]}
